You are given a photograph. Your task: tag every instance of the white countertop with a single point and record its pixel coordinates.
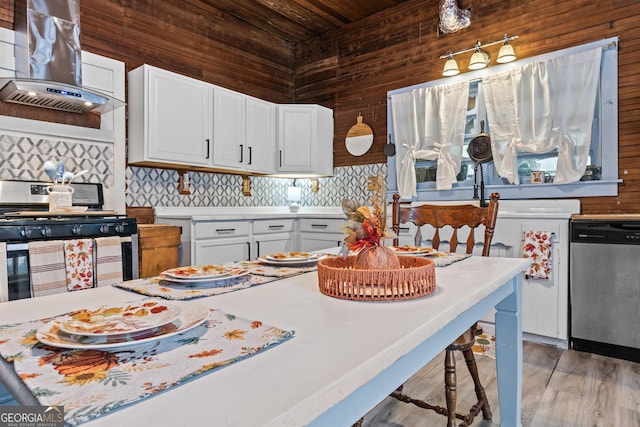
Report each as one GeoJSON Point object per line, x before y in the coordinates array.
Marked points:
{"type": "Point", "coordinates": [341, 349]}
{"type": "Point", "coordinates": [542, 209]}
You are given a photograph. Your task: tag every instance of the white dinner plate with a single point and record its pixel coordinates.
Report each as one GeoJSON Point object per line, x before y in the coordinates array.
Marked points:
{"type": "Point", "coordinates": [192, 314]}
{"type": "Point", "coordinates": [216, 282]}
{"type": "Point", "coordinates": [204, 272]}
{"type": "Point", "coordinates": [120, 319]}
{"type": "Point", "coordinates": [292, 256]}
{"type": "Point", "coordinates": [291, 262]}
{"type": "Point", "coordinates": [412, 250]}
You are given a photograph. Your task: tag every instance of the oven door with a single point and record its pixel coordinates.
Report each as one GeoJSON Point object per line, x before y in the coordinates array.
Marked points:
{"type": "Point", "coordinates": [15, 282]}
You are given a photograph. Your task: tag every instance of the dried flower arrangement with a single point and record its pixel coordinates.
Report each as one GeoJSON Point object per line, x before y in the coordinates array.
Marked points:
{"type": "Point", "coordinates": [366, 227]}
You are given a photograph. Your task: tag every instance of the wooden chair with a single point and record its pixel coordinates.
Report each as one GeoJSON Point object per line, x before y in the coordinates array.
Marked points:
{"type": "Point", "coordinates": [455, 216]}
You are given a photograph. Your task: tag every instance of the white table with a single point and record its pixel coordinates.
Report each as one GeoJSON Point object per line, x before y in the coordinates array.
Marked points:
{"type": "Point", "coordinates": [346, 356]}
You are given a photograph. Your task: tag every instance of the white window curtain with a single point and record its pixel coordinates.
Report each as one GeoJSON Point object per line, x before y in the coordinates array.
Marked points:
{"type": "Point", "coordinates": [428, 124]}
{"type": "Point", "coordinates": [543, 106]}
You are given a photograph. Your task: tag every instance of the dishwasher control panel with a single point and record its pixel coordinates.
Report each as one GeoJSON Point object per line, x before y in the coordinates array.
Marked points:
{"type": "Point", "coordinates": [616, 232]}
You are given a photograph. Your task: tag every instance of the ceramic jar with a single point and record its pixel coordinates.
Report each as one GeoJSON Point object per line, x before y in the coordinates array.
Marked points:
{"type": "Point", "coordinates": [59, 196]}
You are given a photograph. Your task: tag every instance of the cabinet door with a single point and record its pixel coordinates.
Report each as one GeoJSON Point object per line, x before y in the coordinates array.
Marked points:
{"type": "Point", "coordinates": [260, 135]}
{"type": "Point", "coordinates": [228, 129]}
{"type": "Point", "coordinates": [296, 127]}
{"type": "Point", "coordinates": [217, 251]}
{"type": "Point", "coordinates": [274, 243]}
{"type": "Point", "coordinates": [319, 241]}
{"type": "Point", "coordinates": [179, 118]}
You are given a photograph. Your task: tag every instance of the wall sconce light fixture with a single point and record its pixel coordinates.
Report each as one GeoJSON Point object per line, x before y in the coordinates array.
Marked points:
{"type": "Point", "coordinates": [451, 66]}
{"type": "Point", "coordinates": [184, 182]}
{"type": "Point", "coordinates": [480, 58]}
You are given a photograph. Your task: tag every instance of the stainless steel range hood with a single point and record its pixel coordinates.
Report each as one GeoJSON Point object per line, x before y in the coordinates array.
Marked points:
{"type": "Point", "coordinates": [48, 60]}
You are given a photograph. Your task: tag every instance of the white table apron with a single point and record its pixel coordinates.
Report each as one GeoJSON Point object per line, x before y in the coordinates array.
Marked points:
{"type": "Point", "coordinates": [345, 358]}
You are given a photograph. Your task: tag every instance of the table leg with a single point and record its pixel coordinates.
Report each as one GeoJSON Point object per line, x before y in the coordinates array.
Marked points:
{"type": "Point", "coordinates": [509, 355]}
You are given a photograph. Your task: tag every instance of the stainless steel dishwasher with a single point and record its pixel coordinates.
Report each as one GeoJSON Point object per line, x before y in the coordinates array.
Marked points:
{"type": "Point", "coordinates": [605, 285]}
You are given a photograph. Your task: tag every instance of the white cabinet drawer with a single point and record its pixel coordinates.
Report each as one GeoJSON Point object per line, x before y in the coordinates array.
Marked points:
{"type": "Point", "coordinates": [321, 225]}
{"type": "Point", "coordinates": [214, 229]}
{"type": "Point", "coordinates": [262, 226]}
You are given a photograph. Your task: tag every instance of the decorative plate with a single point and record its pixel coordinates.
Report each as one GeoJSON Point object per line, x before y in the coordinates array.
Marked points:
{"type": "Point", "coordinates": [216, 281]}
{"type": "Point", "coordinates": [123, 319]}
{"type": "Point", "coordinates": [192, 314]}
{"type": "Point", "coordinates": [293, 256]}
{"type": "Point", "coordinates": [412, 250]}
{"type": "Point", "coordinates": [204, 272]}
{"type": "Point", "coordinates": [291, 262]}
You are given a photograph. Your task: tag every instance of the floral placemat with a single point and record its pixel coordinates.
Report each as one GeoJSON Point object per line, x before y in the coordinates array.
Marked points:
{"type": "Point", "coordinates": [91, 382]}
{"type": "Point", "coordinates": [260, 269]}
{"type": "Point", "coordinates": [442, 259]}
{"type": "Point", "coordinates": [156, 287]}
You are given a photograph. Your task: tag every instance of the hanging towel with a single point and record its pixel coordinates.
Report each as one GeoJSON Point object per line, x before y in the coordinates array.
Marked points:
{"type": "Point", "coordinates": [78, 254]}
{"type": "Point", "coordinates": [46, 264]}
{"type": "Point", "coordinates": [4, 282]}
{"type": "Point", "coordinates": [108, 258]}
{"type": "Point", "coordinates": [537, 247]}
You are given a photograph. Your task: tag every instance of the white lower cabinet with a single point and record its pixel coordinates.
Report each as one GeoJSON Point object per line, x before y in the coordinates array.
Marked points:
{"type": "Point", "coordinates": [317, 234]}
{"type": "Point", "coordinates": [216, 242]}
{"type": "Point", "coordinates": [217, 251]}
{"type": "Point", "coordinates": [272, 236]}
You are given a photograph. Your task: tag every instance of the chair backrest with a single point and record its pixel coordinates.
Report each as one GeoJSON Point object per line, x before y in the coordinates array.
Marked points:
{"type": "Point", "coordinates": [454, 216]}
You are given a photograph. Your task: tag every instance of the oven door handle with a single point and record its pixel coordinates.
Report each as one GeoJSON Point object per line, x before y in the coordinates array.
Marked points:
{"type": "Point", "coordinates": [17, 247]}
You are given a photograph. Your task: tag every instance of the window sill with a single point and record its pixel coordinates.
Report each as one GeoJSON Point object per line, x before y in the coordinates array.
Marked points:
{"type": "Point", "coordinates": [427, 191]}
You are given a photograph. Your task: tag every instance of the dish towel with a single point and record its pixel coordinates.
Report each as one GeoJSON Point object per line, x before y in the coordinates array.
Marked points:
{"type": "Point", "coordinates": [537, 247]}
{"type": "Point", "coordinates": [46, 263]}
{"type": "Point", "coordinates": [108, 260]}
{"type": "Point", "coordinates": [78, 255]}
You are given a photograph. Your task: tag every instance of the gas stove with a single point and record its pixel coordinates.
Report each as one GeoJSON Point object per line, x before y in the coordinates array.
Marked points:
{"type": "Point", "coordinates": [24, 214]}
{"type": "Point", "coordinates": [25, 218]}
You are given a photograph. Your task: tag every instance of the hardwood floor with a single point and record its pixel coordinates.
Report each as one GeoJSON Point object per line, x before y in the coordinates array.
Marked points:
{"type": "Point", "coordinates": [561, 388]}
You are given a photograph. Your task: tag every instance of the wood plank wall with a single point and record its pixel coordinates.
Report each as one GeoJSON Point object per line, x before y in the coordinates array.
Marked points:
{"type": "Point", "coordinates": [189, 37]}
{"type": "Point", "coordinates": [352, 70]}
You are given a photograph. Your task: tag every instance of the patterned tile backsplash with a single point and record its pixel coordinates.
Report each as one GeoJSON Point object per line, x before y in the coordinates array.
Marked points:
{"type": "Point", "coordinates": [23, 157]}
{"type": "Point", "coordinates": [159, 187]}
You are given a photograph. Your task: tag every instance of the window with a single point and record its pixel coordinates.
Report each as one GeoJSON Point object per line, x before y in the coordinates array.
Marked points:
{"type": "Point", "coordinates": [600, 178]}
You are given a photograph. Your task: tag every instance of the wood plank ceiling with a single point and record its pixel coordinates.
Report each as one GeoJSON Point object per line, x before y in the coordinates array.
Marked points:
{"type": "Point", "coordinates": [296, 21]}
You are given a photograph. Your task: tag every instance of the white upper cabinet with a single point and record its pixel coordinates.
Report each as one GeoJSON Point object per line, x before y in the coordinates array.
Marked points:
{"type": "Point", "coordinates": [180, 122]}
{"type": "Point", "coordinates": [169, 118]}
{"type": "Point", "coordinates": [228, 128]}
{"type": "Point", "coordinates": [244, 132]}
{"type": "Point", "coordinates": [305, 140]}
{"type": "Point", "coordinates": [260, 135]}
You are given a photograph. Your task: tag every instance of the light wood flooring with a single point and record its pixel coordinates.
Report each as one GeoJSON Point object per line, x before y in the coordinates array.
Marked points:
{"type": "Point", "coordinates": [561, 388]}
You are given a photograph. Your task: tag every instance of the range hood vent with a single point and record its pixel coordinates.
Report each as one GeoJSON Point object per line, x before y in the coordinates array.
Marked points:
{"type": "Point", "coordinates": [57, 96]}
{"type": "Point", "coordinates": [48, 60]}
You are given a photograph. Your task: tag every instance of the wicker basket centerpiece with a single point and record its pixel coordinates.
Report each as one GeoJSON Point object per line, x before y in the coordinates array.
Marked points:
{"type": "Point", "coordinates": [376, 273]}
{"type": "Point", "coordinates": [338, 277]}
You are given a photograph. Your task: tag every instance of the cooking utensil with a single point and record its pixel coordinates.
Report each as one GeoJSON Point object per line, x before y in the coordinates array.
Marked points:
{"type": "Point", "coordinates": [82, 172]}
{"type": "Point", "coordinates": [50, 170]}
{"type": "Point", "coordinates": [479, 147]}
{"type": "Point", "coordinates": [67, 176]}
{"type": "Point", "coordinates": [59, 170]}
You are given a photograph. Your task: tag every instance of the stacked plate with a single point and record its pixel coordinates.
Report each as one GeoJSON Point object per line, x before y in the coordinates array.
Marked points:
{"type": "Point", "coordinates": [111, 326]}
{"type": "Point", "coordinates": [291, 259]}
{"type": "Point", "coordinates": [204, 275]}
{"type": "Point", "coordinates": [414, 250]}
